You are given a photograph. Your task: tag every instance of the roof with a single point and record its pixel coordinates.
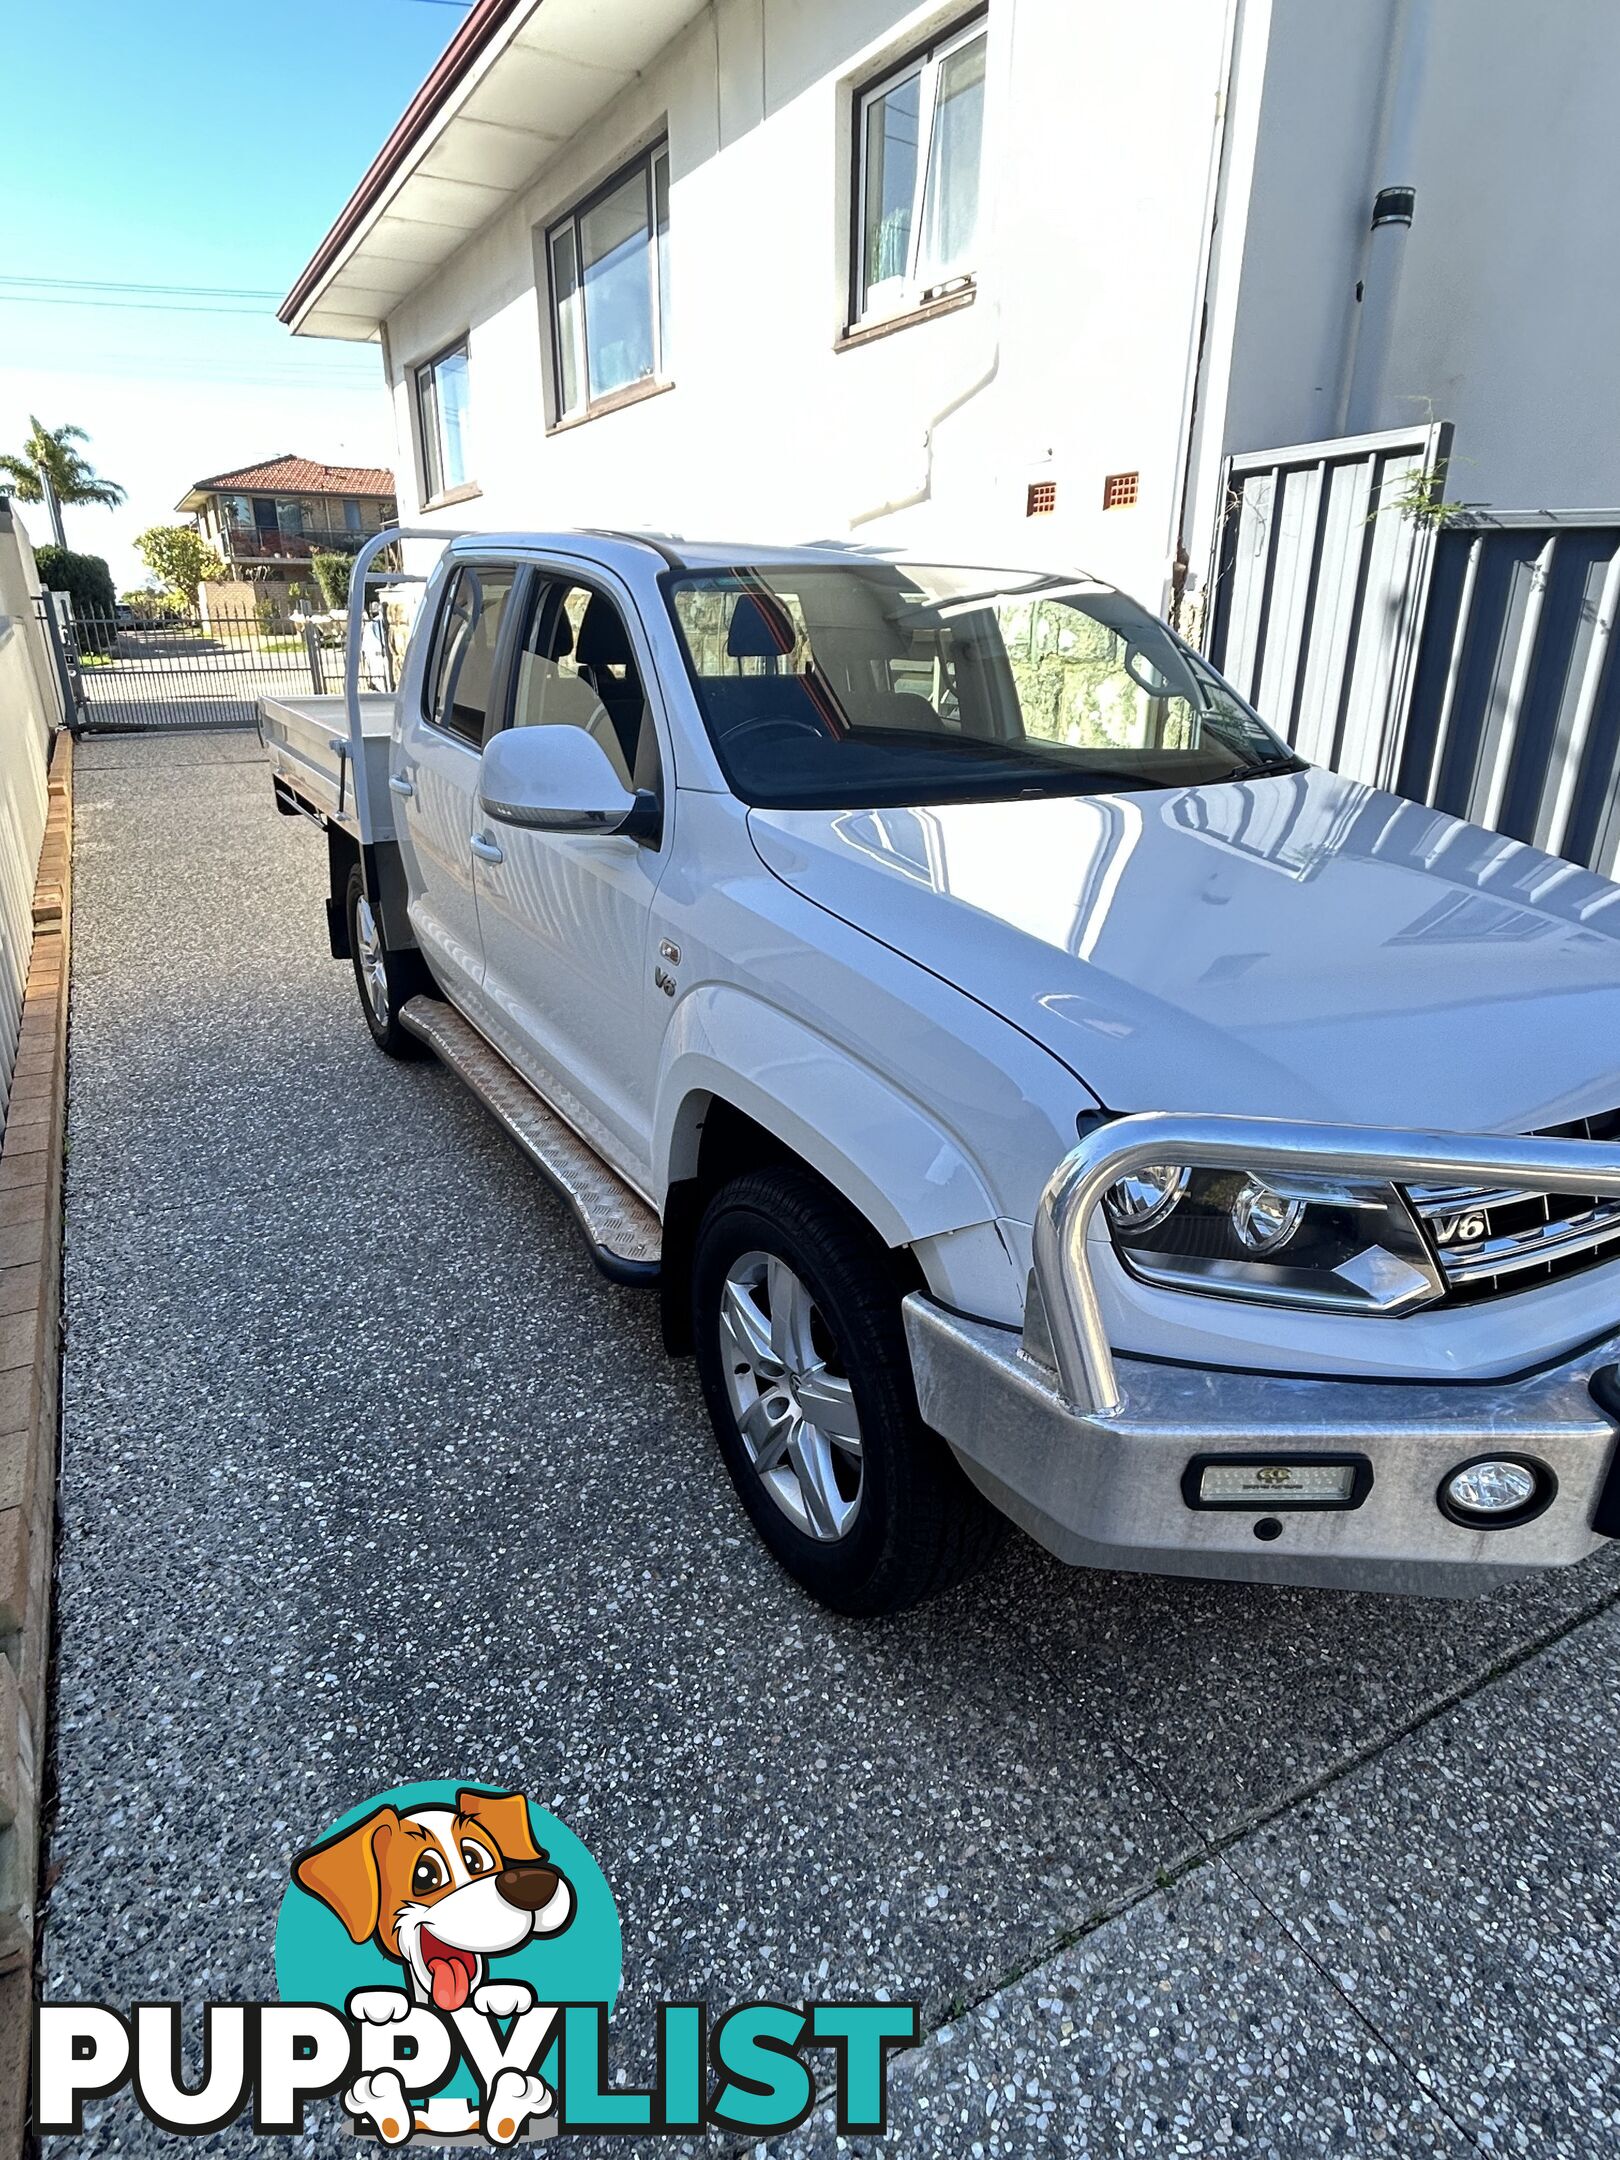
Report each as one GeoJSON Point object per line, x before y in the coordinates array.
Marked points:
{"type": "Point", "coordinates": [518, 80]}
{"type": "Point", "coordinates": [290, 475]}
{"type": "Point", "coordinates": [681, 554]}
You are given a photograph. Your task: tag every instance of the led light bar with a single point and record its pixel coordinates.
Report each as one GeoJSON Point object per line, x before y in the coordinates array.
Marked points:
{"type": "Point", "coordinates": [1264, 1482]}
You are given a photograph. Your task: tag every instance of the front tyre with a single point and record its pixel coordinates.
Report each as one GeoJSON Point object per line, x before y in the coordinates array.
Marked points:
{"type": "Point", "coordinates": [385, 980]}
{"type": "Point", "coordinates": [802, 1354]}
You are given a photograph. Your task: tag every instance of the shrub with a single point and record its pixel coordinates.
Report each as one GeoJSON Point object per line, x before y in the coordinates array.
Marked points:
{"type": "Point", "coordinates": [150, 608]}
{"type": "Point", "coordinates": [332, 575]}
{"type": "Point", "coordinates": [88, 580]}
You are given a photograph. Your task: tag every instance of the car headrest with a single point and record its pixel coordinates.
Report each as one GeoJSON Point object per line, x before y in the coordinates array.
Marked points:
{"type": "Point", "coordinates": [603, 640]}
{"type": "Point", "coordinates": [761, 628]}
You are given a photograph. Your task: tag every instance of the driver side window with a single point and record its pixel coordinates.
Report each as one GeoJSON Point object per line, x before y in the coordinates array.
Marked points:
{"type": "Point", "coordinates": [577, 668]}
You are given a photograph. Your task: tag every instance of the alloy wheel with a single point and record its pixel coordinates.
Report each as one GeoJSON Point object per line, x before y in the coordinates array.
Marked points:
{"type": "Point", "coordinates": [790, 1396]}
{"type": "Point", "coordinates": [373, 960]}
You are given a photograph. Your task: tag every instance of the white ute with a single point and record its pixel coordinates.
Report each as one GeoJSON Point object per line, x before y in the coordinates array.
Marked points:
{"type": "Point", "coordinates": [1031, 1090]}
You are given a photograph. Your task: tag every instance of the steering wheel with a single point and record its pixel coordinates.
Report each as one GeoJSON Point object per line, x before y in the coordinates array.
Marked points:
{"type": "Point", "coordinates": [767, 724]}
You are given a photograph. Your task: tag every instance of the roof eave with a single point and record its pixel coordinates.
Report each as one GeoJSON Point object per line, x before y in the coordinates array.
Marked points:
{"type": "Point", "coordinates": [484, 22]}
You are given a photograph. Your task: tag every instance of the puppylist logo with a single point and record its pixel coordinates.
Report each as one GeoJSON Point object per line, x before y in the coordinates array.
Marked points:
{"type": "Point", "coordinates": [448, 1957]}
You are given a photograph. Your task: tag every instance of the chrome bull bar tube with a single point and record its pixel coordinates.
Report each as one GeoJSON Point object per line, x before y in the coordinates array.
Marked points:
{"type": "Point", "coordinates": [1080, 1346]}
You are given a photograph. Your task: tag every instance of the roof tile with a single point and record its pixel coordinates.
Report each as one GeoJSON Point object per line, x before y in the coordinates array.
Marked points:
{"type": "Point", "coordinates": [291, 475]}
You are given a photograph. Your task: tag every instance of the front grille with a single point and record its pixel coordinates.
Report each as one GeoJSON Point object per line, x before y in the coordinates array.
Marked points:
{"type": "Point", "coordinates": [1490, 1244]}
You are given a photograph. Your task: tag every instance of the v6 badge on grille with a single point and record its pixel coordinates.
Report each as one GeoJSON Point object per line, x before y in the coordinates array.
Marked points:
{"type": "Point", "coordinates": [1458, 1229]}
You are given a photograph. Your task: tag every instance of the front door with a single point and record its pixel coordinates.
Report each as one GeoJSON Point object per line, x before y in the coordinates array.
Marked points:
{"type": "Point", "coordinates": [564, 918]}
{"type": "Point", "coordinates": [435, 772]}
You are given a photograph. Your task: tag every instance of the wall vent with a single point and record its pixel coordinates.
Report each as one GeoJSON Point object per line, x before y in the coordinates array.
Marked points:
{"type": "Point", "coordinates": [1042, 498]}
{"type": "Point", "coordinates": [1119, 491]}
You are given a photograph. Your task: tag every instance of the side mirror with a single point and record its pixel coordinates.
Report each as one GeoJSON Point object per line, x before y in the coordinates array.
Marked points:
{"type": "Point", "coordinates": [558, 779]}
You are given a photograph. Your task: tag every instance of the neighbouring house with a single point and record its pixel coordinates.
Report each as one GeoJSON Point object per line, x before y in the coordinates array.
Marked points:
{"type": "Point", "coordinates": [1202, 295]}
{"type": "Point", "coordinates": [268, 519]}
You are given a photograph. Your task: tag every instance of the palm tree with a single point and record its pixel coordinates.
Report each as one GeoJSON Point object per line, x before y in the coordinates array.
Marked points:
{"type": "Point", "coordinates": [49, 470]}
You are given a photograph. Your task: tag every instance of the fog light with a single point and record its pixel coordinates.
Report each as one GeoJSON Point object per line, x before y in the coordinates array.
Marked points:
{"type": "Point", "coordinates": [1495, 1490]}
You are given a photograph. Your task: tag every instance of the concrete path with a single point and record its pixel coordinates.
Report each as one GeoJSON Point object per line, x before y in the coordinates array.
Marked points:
{"type": "Point", "coordinates": [369, 1476]}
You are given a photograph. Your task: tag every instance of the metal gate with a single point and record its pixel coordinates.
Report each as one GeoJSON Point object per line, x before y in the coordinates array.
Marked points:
{"type": "Point", "coordinates": [179, 671]}
{"type": "Point", "coordinates": [1321, 571]}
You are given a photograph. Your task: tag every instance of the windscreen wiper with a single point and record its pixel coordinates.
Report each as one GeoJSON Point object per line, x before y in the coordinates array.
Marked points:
{"type": "Point", "coordinates": [1266, 769]}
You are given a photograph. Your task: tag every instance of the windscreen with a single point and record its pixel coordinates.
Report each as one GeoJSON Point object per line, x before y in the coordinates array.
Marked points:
{"type": "Point", "coordinates": [841, 686]}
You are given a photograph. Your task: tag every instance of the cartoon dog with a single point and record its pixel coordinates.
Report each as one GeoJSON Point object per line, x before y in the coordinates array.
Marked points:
{"type": "Point", "coordinates": [441, 1890]}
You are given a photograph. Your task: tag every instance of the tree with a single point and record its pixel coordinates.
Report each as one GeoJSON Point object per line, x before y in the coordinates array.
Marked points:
{"type": "Point", "coordinates": [89, 581]}
{"type": "Point", "coordinates": [179, 557]}
{"type": "Point", "coordinates": [332, 572]}
{"type": "Point", "coordinates": [48, 454]}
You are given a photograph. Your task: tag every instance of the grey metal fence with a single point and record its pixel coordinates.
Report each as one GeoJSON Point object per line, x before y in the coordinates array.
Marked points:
{"type": "Point", "coordinates": [180, 671]}
{"type": "Point", "coordinates": [1318, 589]}
{"type": "Point", "coordinates": [1467, 662]}
{"type": "Point", "coordinates": [1515, 709]}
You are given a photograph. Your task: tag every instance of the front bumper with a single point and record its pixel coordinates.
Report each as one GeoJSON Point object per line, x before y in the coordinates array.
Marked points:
{"type": "Point", "coordinates": [1106, 1490]}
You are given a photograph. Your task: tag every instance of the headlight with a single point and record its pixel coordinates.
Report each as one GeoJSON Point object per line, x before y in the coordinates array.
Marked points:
{"type": "Point", "coordinates": [1146, 1196]}
{"type": "Point", "coordinates": [1282, 1240]}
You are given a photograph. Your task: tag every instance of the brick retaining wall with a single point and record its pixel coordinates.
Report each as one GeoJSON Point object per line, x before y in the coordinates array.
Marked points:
{"type": "Point", "coordinates": [31, 1165]}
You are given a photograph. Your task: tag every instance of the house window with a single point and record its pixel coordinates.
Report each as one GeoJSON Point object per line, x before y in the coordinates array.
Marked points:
{"type": "Point", "coordinates": [441, 410]}
{"type": "Point", "coordinates": [351, 517]}
{"type": "Point", "coordinates": [609, 261]}
{"type": "Point", "coordinates": [918, 136]}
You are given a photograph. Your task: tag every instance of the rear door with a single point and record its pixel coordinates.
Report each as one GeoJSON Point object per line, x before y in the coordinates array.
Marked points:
{"type": "Point", "coordinates": [435, 774]}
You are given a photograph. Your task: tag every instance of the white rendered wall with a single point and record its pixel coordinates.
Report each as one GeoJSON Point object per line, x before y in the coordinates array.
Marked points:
{"type": "Point", "coordinates": [1071, 364]}
{"type": "Point", "coordinates": [1507, 314]}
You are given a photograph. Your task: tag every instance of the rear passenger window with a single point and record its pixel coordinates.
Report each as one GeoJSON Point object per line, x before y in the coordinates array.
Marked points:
{"type": "Point", "coordinates": [461, 674]}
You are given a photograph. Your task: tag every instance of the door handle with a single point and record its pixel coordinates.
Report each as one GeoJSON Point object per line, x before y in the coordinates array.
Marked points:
{"type": "Point", "coordinates": [486, 849]}
{"type": "Point", "coordinates": [400, 785]}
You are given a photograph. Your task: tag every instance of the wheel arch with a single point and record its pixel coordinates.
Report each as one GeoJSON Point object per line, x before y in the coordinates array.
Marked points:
{"type": "Point", "coordinates": [743, 1084]}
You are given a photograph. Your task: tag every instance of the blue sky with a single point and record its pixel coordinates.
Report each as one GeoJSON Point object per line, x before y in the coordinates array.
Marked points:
{"type": "Point", "coordinates": [190, 145]}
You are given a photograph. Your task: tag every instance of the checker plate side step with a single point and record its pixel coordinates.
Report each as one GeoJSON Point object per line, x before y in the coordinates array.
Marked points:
{"type": "Point", "coordinates": [624, 1235]}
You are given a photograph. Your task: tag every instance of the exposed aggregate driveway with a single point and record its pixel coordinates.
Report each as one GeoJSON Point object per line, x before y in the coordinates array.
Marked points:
{"type": "Point", "coordinates": [368, 1476]}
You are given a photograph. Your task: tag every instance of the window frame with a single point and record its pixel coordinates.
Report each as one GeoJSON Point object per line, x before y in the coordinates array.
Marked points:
{"type": "Point", "coordinates": [545, 572]}
{"type": "Point", "coordinates": [924, 60]}
{"type": "Point", "coordinates": [644, 162]}
{"type": "Point", "coordinates": [500, 662]}
{"type": "Point", "coordinates": [430, 449]}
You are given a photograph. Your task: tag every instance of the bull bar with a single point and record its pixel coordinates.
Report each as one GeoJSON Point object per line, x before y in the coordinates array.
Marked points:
{"type": "Point", "coordinates": [1088, 1448]}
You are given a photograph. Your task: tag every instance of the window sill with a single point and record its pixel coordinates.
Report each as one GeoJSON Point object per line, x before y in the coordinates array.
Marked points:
{"type": "Point", "coordinates": [469, 491]}
{"type": "Point", "coordinates": [868, 333]}
{"type": "Point", "coordinates": [615, 401]}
